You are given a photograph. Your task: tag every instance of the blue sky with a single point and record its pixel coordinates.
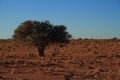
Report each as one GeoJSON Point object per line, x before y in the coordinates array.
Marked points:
{"type": "Point", "coordinates": [83, 18]}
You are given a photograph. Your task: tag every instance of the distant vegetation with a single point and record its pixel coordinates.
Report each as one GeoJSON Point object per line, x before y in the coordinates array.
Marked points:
{"type": "Point", "coordinates": [41, 34]}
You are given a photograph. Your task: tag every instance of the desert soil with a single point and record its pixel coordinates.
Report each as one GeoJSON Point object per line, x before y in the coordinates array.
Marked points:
{"type": "Point", "coordinates": [78, 60]}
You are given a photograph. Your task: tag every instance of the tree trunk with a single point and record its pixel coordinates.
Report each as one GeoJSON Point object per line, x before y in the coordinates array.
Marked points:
{"type": "Point", "coordinates": [41, 50]}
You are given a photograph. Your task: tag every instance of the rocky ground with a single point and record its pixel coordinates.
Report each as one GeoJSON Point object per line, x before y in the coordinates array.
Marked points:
{"type": "Point", "coordinates": [78, 60]}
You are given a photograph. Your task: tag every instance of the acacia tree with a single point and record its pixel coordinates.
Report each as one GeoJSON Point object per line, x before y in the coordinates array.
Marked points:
{"type": "Point", "coordinates": [41, 34]}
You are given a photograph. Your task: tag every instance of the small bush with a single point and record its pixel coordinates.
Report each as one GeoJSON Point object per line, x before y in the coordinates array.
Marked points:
{"type": "Point", "coordinates": [114, 38]}
{"type": "Point", "coordinates": [1, 49]}
{"type": "Point", "coordinates": [9, 47]}
{"type": "Point", "coordinates": [31, 55]}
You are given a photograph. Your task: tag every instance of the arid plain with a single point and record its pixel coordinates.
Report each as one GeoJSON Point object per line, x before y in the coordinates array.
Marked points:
{"type": "Point", "coordinates": [83, 59]}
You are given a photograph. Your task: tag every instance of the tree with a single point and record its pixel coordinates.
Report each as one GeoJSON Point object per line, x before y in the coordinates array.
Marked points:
{"type": "Point", "coordinates": [41, 34]}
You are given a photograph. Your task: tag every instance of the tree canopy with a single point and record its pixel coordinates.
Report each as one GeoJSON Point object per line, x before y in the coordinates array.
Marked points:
{"type": "Point", "coordinates": [41, 33]}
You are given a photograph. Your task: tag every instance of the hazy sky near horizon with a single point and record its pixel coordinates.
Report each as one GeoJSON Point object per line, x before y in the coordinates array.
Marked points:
{"type": "Point", "coordinates": [83, 18]}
